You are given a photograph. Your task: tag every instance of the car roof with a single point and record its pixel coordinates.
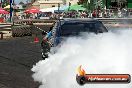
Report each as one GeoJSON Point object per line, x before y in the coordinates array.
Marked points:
{"type": "Point", "coordinates": [78, 20]}
{"type": "Point", "coordinates": [69, 20]}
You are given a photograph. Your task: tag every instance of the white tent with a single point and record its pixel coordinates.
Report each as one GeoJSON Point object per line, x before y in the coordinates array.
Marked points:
{"type": "Point", "coordinates": [53, 9]}
{"type": "Point", "coordinates": [49, 9]}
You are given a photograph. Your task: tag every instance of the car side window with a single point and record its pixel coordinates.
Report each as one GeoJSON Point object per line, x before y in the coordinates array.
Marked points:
{"type": "Point", "coordinates": [71, 29]}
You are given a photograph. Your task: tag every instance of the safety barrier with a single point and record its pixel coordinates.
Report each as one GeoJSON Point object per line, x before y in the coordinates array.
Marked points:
{"type": "Point", "coordinates": [32, 26]}
{"type": "Point", "coordinates": [31, 21]}
{"type": "Point", "coordinates": [19, 31]}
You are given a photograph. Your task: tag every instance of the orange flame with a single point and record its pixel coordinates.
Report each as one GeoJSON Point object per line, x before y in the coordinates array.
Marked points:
{"type": "Point", "coordinates": [81, 71]}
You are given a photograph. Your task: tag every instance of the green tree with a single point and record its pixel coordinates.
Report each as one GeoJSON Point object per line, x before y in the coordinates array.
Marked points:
{"type": "Point", "coordinates": [86, 4]}
{"type": "Point", "coordinates": [89, 4]}
{"type": "Point", "coordinates": [92, 5]}
{"type": "Point", "coordinates": [5, 3]}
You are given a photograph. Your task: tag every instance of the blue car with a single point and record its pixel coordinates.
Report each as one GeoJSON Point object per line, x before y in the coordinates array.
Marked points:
{"type": "Point", "coordinates": [70, 27]}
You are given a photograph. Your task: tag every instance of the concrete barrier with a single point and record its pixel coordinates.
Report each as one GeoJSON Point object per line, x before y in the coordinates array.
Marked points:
{"type": "Point", "coordinates": [50, 22]}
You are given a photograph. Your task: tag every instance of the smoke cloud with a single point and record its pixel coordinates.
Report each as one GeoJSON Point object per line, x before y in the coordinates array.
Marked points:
{"type": "Point", "coordinates": [107, 53]}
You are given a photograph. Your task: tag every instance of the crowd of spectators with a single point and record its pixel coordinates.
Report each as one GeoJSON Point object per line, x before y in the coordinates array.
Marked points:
{"type": "Point", "coordinates": [70, 14]}
{"type": "Point", "coordinates": [76, 14]}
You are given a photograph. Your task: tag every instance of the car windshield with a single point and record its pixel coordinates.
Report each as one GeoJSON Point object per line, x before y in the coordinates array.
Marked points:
{"type": "Point", "coordinates": [75, 28]}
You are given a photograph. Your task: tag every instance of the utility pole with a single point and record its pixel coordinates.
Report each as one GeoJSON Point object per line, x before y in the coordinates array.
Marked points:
{"type": "Point", "coordinates": [69, 6]}
{"type": "Point", "coordinates": [58, 7]}
{"type": "Point", "coordinates": [10, 10]}
{"type": "Point", "coordinates": [96, 6]}
{"type": "Point", "coordinates": [13, 11]}
{"type": "Point", "coordinates": [58, 11]}
{"type": "Point", "coordinates": [88, 6]}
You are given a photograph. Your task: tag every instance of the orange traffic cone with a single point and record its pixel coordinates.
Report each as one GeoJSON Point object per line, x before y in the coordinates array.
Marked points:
{"type": "Point", "coordinates": [36, 39]}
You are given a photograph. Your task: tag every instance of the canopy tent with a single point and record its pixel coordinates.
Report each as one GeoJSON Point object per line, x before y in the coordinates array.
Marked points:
{"type": "Point", "coordinates": [54, 9]}
{"type": "Point", "coordinates": [62, 8]}
{"type": "Point", "coordinates": [49, 9]}
{"type": "Point", "coordinates": [32, 10]}
{"type": "Point", "coordinates": [75, 7]}
{"type": "Point", "coordinates": [2, 11]}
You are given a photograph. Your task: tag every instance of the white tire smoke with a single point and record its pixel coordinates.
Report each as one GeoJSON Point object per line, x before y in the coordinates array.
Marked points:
{"type": "Point", "coordinates": [107, 53]}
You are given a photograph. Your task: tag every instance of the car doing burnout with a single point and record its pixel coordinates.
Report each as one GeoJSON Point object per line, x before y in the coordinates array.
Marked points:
{"type": "Point", "coordinates": [70, 27]}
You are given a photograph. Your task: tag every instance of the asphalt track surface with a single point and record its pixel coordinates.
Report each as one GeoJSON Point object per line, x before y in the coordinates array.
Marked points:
{"type": "Point", "coordinates": [17, 56]}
